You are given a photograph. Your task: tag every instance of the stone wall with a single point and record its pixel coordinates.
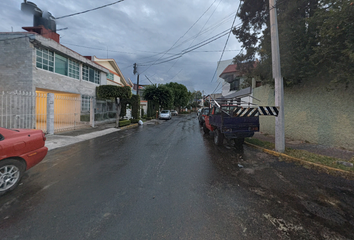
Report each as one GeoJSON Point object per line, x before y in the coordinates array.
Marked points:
{"type": "Point", "coordinates": [313, 113]}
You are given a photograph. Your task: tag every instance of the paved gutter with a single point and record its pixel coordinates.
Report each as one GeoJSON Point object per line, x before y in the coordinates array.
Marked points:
{"type": "Point", "coordinates": [312, 165]}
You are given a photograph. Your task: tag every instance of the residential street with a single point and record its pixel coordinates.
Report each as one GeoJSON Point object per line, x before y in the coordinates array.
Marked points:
{"type": "Point", "coordinates": [169, 181]}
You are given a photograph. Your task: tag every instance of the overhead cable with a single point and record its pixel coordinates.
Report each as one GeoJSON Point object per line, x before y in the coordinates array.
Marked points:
{"type": "Point", "coordinates": [93, 9]}
{"type": "Point", "coordinates": [181, 36]}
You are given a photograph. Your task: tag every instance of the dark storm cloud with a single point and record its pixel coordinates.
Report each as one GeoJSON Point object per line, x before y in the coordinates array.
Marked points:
{"type": "Point", "coordinates": [135, 31]}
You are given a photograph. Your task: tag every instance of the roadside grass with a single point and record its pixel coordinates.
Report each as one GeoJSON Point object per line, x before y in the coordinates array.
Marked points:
{"type": "Point", "coordinates": [304, 155]}
{"type": "Point", "coordinates": [263, 144]}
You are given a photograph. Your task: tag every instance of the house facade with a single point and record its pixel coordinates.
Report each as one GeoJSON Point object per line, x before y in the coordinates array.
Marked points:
{"type": "Point", "coordinates": [143, 102]}
{"type": "Point", "coordinates": [232, 86]}
{"type": "Point", "coordinates": [35, 61]}
{"type": "Point", "coordinates": [115, 76]}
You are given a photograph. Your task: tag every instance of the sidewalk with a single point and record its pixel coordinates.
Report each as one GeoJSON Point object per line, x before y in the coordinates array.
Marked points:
{"type": "Point", "coordinates": [86, 133]}
{"type": "Point", "coordinates": [317, 149]}
{"type": "Point", "coordinates": [330, 167]}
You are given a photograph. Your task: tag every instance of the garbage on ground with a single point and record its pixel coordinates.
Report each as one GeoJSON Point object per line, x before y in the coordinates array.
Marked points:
{"type": "Point", "coordinates": [347, 164]}
{"type": "Point", "coordinates": [140, 122]}
{"type": "Point", "coordinates": [239, 165]}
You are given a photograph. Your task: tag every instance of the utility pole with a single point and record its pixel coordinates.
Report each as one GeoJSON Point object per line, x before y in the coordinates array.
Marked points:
{"type": "Point", "coordinates": [279, 88]}
{"type": "Point", "coordinates": [137, 78]}
{"type": "Point", "coordinates": [137, 83]}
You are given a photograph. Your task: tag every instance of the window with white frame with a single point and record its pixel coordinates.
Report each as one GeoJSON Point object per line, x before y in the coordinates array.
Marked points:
{"type": "Point", "coordinates": [90, 74]}
{"type": "Point", "coordinates": [110, 76]}
{"type": "Point", "coordinates": [57, 63]}
{"type": "Point", "coordinates": [45, 59]}
{"type": "Point", "coordinates": [85, 103]}
{"type": "Point", "coordinates": [74, 69]}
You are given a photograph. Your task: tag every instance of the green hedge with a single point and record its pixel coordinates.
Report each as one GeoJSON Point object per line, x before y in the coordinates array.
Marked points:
{"type": "Point", "coordinates": [134, 120]}
{"type": "Point", "coordinates": [123, 123]}
{"type": "Point", "coordinates": [85, 118]}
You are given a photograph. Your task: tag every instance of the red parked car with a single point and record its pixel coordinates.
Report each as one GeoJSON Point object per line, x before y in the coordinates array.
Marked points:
{"type": "Point", "coordinates": [20, 149]}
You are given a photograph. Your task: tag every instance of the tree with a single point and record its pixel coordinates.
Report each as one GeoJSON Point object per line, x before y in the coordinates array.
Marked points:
{"type": "Point", "coordinates": [315, 38]}
{"type": "Point", "coordinates": [118, 93]}
{"type": "Point", "coordinates": [334, 52]}
{"type": "Point", "coordinates": [159, 94]}
{"type": "Point", "coordinates": [194, 96]}
{"type": "Point", "coordinates": [180, 94]}
{"type": "Point", "coordinates": [135, 102]}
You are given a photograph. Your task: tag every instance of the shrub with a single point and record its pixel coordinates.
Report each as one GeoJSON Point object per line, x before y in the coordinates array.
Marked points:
{"type": "Point", "coordinates": [142, 112]}
{"type": "Point", "coordinates": [124, 123]}
{"type": "Point", "coordinates": [85, 118]}
{"type": "Point", "coordinates": [134, 120]}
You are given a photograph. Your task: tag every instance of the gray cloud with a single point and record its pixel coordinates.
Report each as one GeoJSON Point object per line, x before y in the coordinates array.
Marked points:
{"type": "Point", "coordinates": [137, 30]}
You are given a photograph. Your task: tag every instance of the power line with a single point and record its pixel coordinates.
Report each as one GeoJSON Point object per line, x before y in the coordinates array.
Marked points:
{"type": "Point", "coordinates": [225, 31]}
{"type": "Point", "coordinates": [196, 35]}
{"type": "Point", "coordinates": [181, 36]}
{"type": "Point", "coordinates": [93, 9]}
{"type": "Point", "coordinates": [217, 24]}
{"type": "Point", "coordinates": [187, 50]}
{"type": "Point", "coordinates": [148, 79]}
{"type": "Point", "coordinates": [276, 5]}
{"type": "Point", "coordinates": [222, 54]}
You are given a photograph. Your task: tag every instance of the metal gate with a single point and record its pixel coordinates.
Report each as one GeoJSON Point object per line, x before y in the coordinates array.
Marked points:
{"type": "Point", "coordinates": [18, 109]}
{"type": "Point", "coordinates": [28, 110]}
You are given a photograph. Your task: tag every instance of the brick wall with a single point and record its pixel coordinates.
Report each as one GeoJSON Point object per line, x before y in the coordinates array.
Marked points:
{"type": "Point", "coordinates": [15, 63]}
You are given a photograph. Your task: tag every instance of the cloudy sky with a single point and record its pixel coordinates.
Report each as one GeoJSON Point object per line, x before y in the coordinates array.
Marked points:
{"type": "Point", "coordinates": [163, 37]}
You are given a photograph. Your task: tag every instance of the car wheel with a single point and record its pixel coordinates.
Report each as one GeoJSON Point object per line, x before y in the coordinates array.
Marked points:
{"type": "Point", "coordinates": [239, 142]}
{"type": "Point", "coordinates": [11, 172]}
{"type": "Point", "coordinates": [218, 137]}
{"type": "Point", "coordinates": [205, 129]}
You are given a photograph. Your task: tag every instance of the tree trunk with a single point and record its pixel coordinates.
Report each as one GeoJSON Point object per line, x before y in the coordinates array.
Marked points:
{"type": "Point", "coordinates": [118, 108]}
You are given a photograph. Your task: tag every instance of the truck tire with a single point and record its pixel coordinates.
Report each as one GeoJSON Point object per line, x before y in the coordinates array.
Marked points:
{"type": "Point", "coordinates": [218, 137]}
{"type": "Point", "coordinates": [205, 129]}
{"type": "Point", "coordinates": [239, 142]}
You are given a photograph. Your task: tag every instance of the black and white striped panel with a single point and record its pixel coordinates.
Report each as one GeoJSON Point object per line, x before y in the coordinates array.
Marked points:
{"type": "Point", "coordinates": [246, 112]}
{"type": "Point", "coordinates": [254, 112]}
{"type": "Point", "coordinates": [268, 111]}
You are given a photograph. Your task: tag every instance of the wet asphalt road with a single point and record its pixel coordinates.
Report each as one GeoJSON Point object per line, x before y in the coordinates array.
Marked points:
{"type": "Point", "coordinates": [169, 181]}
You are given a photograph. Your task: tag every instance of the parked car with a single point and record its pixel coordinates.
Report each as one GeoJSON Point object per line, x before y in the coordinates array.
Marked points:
{"type": "Point", "coordinates": [174, 112]}
{"type": "Point", "coordinates": [198, 112]}
{"type": "Point", "coordinates": [202, 114]}
{"type": "Point", "coordinates": [165, 114]}
{"type": "Point", "coordinates": [20, 149]}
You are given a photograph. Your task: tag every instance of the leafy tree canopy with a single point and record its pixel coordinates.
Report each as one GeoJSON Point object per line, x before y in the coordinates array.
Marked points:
{"type": "Point", "coordinates": [316, 39]}
{"type": "Point", "coordinates": [180, 94]}
{"type": "Point", "coordinates": [195, 96]}
{"type": "Point", "coordinates": [118, 93]}
{"type": "Point", "coordinates": [110, 91]}
{"type": "Point", "coordinates": [160, 94]}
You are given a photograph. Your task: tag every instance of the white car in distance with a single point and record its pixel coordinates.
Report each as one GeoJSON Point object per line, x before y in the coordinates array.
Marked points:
{"type": "Point", "coordinates": [165, 114]}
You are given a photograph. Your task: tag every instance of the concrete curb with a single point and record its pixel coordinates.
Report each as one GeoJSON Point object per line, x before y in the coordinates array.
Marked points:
{"type": "Point", "coordinates": [129, 126]}
{"type": "Point", "coordinates": [307, 164]}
